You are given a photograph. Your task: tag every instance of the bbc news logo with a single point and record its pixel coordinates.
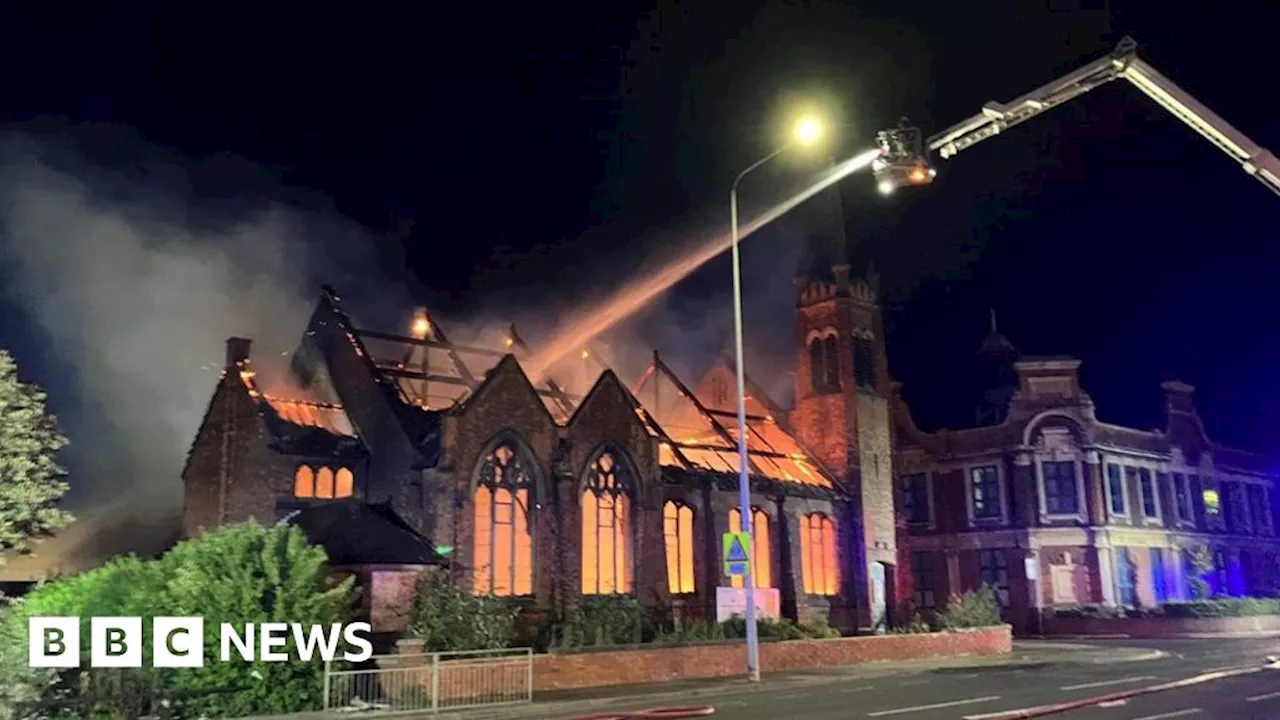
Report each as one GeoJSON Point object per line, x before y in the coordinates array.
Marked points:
{"type": "Point", "coordinates": [178, 642]}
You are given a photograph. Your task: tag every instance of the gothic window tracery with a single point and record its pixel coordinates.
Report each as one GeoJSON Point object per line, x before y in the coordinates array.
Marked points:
{"type": "Point", "coordinates": [502, 555]}
{"type": "Point", "coordinates": [606, 526]}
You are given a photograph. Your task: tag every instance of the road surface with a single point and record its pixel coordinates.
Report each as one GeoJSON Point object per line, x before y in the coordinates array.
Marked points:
{"type": "Point", "coordinates": [996, 691]}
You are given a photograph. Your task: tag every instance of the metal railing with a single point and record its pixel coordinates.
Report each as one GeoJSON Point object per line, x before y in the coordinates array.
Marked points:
{"type": "Point", "coordinates": [431, 682]}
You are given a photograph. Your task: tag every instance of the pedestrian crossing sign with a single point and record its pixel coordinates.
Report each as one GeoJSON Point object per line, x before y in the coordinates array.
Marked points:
{"type": "Point", "coordinates": [737, 553]}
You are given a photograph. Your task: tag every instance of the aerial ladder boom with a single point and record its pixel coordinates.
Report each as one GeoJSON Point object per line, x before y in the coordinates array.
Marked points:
{"type": "Point", "coordinates": [1122, 63]}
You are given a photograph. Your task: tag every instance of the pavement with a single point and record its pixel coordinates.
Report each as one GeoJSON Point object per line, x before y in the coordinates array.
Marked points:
{"type": "Point", "coordinates": [1221, 678]}
{"type": "Point", "coordinates": [1199, 679]}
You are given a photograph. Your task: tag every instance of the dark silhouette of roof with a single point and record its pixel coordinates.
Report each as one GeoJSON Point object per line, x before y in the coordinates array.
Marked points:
{"type": "Point", "coordinates": [354, 532]}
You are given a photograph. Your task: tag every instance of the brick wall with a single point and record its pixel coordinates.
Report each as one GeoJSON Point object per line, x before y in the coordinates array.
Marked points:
{"type": "Point", "coordinates": [628, 667]}
{"type": "Point", "coordinates": [1159, 627]}
{"type": "Point", "coordinates": [233, 433]}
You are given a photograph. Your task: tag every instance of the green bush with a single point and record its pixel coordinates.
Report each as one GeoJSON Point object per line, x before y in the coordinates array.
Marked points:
{"type": "Point", "coordinates": [601, 620]}
{"type": "Point", "coordinates": [446, 617]}
{"type": "Point", "coordinates": [917, 626]}
{"type": "Point", "coordinates": [1222, 608]}
{"type": "Point", "coordinates": [973, 609]}
{"type": "Point", "coordinates": [782, 629]}
{"type": "Point", "coordinates": [238, 574]}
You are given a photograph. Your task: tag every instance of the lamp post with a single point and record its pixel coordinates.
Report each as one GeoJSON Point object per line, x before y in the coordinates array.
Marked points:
{"type": "Point", "coordinates": [806, 132]}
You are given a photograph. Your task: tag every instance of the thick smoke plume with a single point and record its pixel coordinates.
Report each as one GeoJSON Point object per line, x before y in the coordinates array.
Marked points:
{"type": "Point", "coordinates": [134, 283]}
{"type": "Point", "coordinates": [134, 293]}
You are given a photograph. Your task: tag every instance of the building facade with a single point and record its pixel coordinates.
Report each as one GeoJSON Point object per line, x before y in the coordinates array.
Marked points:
{"type": "Point", "coordinates": [545, 495]}
{"type": "Point", "coordinates": [1051, 506]}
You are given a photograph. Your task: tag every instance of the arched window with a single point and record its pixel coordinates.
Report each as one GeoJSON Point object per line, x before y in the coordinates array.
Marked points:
{"type": "Point", "coordinates": [677, 530]}
{"type": "Point", "coordinates": [345, 483]}
{"type": "Point", "coordinates": [606, 527]}
{"type": "Point", "coordinates": [864, 362]}
{"type": "Point", "coordinates": [831, 363]}
{"type": "Point", "coordinates": [821, 571]}
{"type": "Point", "coordinates": [761, 564]}
{"type": "Point", "coordinates": [304, 482]}
{"type": "Point", "coordinates": [817, 366]}
{"type": "Point", "coordinates": [502, 551]}
{"type": "Point", "coordinates": [324, 484]}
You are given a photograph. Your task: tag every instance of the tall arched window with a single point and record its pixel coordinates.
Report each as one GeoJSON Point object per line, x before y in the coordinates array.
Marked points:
{"type": "Point", "coordinates": [606, 527]}
{"type": "Point", "coordinates": [831, 363]}
{"type": "Point", "coordinates": [817, 366]}
{"type": "Point", "coordinates": [304, 482]}
{"type": "Point", "coordinates": [502, 552]}
{"type": "Point", "coordinates": [761, 558]}
{"type": "Point", "coordinates": [677, 530]}
{"type": "Point", "coordinates": [324, 484]}
{"type": "Point", "coordinates": [821, 569]}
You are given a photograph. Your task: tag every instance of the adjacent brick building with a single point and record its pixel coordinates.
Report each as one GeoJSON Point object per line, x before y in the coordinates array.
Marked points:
{"type": "Point", "coordinates": [542, 495]}
{"type": "Point", "coordinates": [1052, 506]}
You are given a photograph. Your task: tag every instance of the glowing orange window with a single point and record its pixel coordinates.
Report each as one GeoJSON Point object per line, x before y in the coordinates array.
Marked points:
{"type": "Point", "coordinates": [761, 564]}
{"type": "Point", "coordinates": [304, 482]}
{"type": "Point", "coordinates": [324, 484]}
{"type": "Point", "coordinates": [345, 483]}
{"type": "Point", "coordinates": [677, 530]}
{"type": "Point", "coordinates": [819, 556]}
{"type": "Point", "coordinates": [502, 550]}
{"type": "Point", "coordinates": [606, 532]}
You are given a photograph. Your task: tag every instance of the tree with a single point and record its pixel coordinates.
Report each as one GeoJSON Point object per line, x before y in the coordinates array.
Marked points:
{"type": "Point", "coordinates": [237, 574]}
{"type": "Point", "coordinates": [31, 481]}
{"type": "Point", "coordinates": [1201, 565]}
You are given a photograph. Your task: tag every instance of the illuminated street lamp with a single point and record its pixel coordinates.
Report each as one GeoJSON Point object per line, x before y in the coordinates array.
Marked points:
{"type": "Point", "coordinates": [806, 132]}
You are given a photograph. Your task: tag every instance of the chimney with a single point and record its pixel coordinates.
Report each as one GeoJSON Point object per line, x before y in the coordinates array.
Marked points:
{"type": "Point", "coordinates": [1178, 397]}
{"type": "Point", "coordinates": [237, 351]}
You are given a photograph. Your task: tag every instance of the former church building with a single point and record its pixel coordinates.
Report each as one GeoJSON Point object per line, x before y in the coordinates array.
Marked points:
{"type": "Point", "coordinates": [537, 494]}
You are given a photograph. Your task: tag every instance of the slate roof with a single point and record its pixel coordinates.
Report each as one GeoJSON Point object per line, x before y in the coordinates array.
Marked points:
{"type": "Point", "coordinates": [354, 532]}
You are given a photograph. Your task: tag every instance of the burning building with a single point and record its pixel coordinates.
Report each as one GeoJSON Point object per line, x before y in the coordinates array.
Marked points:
{"type": "Point", "coordinates": [545, 496]}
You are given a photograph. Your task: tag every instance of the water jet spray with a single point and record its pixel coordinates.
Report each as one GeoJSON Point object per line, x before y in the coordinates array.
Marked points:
{"type": "Point", "coordinates": [635, 295]}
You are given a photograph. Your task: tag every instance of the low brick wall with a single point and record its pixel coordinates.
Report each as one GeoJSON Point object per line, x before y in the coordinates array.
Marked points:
{"type": "Point", "coordinates": [1159, 627]}
{"type": "Point", "coordinates": [566, 671]}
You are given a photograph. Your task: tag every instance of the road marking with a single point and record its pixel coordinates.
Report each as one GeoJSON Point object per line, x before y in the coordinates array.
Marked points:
{"type": "Point", "coordinates": [1174, 714]}
{"type": "Point", "coordinates": [1113, 703]}
{"type": "Point", "coordinates": [1104, 683]}
{"type": "Point", "coordinates": [914, 682]}
{"type": "Point", "coordinates": [857, 689]}
{"type": "Point", "coordinates": [1268, 696]}
{"type": "Point", "coordinates": [935, 706]}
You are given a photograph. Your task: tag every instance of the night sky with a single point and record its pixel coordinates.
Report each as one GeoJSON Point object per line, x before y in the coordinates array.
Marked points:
{"type": "Point", "coordinates": [542, 152]}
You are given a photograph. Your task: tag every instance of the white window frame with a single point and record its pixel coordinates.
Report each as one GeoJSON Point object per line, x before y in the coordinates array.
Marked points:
{"type": "Point", "coordinates": [1108, 461]}
{"type": "Point", "coordinates": [1001, 485]}
{"type": "Point", "coordinates": [1071, 453]}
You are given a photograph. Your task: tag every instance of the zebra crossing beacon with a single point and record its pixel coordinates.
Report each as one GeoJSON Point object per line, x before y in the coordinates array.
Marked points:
{"type": "Point", "coordinates": [904, 159]}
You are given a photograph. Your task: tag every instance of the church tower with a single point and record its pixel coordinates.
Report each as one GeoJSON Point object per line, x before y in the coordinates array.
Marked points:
{"type": "Point", "coordinates": [842, 411]}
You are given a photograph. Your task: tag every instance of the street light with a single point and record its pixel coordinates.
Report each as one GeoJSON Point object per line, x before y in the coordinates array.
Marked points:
{"type": "Point", "coordinates": [806, 132]}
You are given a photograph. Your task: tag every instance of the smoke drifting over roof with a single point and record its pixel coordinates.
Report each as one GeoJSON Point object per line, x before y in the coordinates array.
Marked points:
{"type": "Point", "coordinates": [134, 294]}
{"type": "Point", "coordinates": [135, 278]}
